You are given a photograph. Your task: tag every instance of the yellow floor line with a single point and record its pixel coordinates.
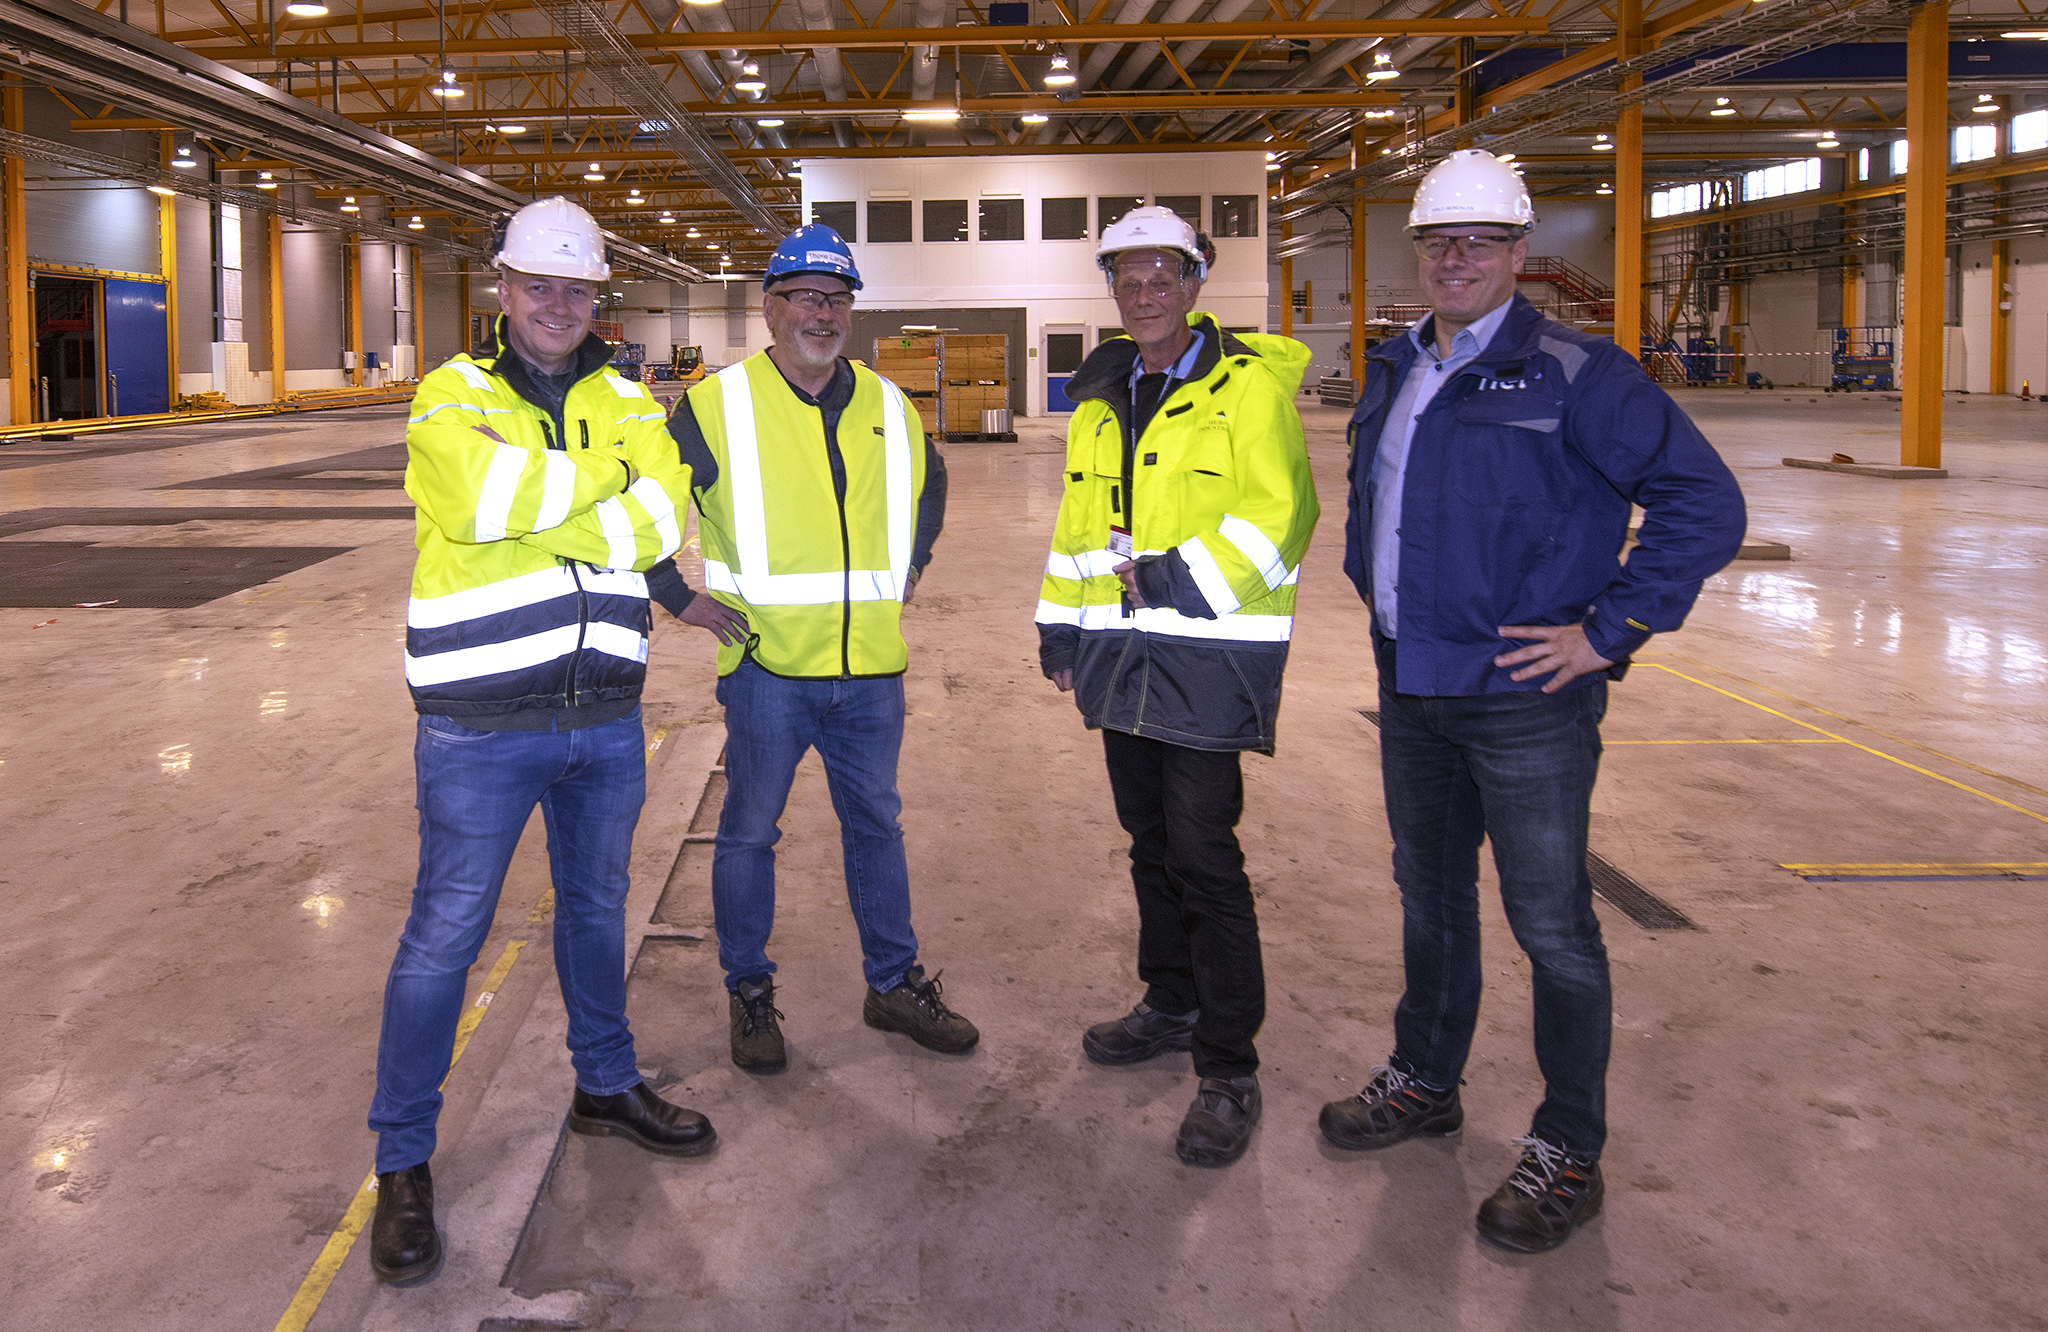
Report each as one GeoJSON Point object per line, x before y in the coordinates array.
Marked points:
{"type": "Point", "coordinates": [314, 1288]}
{"type": "Point", "coordinates": [2029, 788]}
{"type": "Point", "coordinates": [1802, 741]}
{"type": "Point", "coordinates": [1879, 753]}
{"type": "Point", "coordinates": [1989, 866]}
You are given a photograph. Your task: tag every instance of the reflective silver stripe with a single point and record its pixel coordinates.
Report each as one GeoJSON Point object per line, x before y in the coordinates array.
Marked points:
{"type": "Point", "coordinates": [743, 470]}
{"type": "Point", "coordinates": [1227, 628]}
{"type": "Point", "coordinates": [492, 598]}
{"type": "Point", "coordinates": [1088, 564]}
{"type": "Point", "coordinates": [1257, 547]}
{"type": "Point", "coordinates": [663, 510]}
{"type": "Point", "coordinates": [751, 580]}
{"type": "Point", "coordinates": [617, 525]}
{"type": "Point", "coordinates": [642, 416]}
{"type": "Point", "coordinates": [615, 583]}
{"type": "Point", "coordinates": [896, 446]}
{"type": "Point", "coordinates": [465, 406]}
{"type": "Point", "coordinates": [807, 589]}
{"type": "Point", "coordinates": [558, 491]}
{"type": "Point", "coordinates": [625, 387]}
{"type": "Point", "coordinates": [490, 658]}
{"type": "Point", "coordinates": [500, 488]}
{"type": "Point", "coordinates": [615, 640]}
{"type": "Point", "coordinates": [475, 375]}
{"type": "Point", "coordinates": [1208, 575]}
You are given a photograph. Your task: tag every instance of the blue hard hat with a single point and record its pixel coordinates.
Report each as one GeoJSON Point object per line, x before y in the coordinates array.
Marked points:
{"type": "Point", "coordinates": [816, 248]}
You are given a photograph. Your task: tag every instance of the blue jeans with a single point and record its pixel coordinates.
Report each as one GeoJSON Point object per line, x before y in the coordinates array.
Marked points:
{"type": "Point", "coordinates": [476, 791]}
{"type": "Point", "coordinates": [1517, 768]}
{"type": "Point", "coordinates": [857, 728]}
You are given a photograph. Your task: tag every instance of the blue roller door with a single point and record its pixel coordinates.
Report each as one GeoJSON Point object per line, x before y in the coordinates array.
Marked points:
{"type": "Point", "coordinates": [138, 351]}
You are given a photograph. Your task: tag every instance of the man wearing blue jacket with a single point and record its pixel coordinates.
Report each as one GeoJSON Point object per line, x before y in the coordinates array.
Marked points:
{"type": "Point", "coordinates": [1495, 455]}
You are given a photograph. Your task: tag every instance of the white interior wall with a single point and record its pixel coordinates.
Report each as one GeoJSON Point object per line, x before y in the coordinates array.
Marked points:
{"type": "Point", "coordinates": [1056, 282]}
{"type": "Point", "coordinates": [2028, 346]}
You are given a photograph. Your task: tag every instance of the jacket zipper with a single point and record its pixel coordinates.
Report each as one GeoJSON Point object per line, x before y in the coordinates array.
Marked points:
{"type": "Point", "coordinates": [582, 596]}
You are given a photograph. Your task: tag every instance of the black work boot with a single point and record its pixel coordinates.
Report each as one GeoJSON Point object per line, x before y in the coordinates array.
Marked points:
{"type": "Point", "coordinates": [1393, 1108]}
{"type": "Point", "coordinates": [1219, 1124]}
{"type": "Point", "coordinates": [1138, 1035]}
{"type": "Point", "coordinates": [638, 1115]}
{"type": "Point", "coordinates": [1546, 1198]}
{"type": "Point", "coordinates": [915, 1009]}
{"type": "Point", "coordinates": [404, 1246]}
{"type": "Point", "coordinates": [756, 1034]}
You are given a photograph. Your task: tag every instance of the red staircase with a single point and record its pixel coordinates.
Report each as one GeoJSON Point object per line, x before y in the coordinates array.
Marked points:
{"type": "Point", "coordinates": [1577, 290]}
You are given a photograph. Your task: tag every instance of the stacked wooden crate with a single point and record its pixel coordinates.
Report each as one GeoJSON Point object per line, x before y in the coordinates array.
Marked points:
{"type": "Point", "coordinates": [912, 364]}
{"type": "Point", "coordinates": [976, 369]}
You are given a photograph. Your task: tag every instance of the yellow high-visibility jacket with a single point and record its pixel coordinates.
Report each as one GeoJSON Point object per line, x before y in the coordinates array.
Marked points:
{"type": "Point", "coordinates": [1218, 499]}
{"type": "Point", "coordinates": [531, 535]}
{"type": "Point", "coordinates": [820, 575]}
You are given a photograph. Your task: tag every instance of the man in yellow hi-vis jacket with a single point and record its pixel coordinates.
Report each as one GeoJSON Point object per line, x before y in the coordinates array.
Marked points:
{"type": "Point", "coordinates": [544, 483]}
{"type": "Point", "coordinates": [818, 500]}
{"type": "Point", "coordinates": [1167, 607]}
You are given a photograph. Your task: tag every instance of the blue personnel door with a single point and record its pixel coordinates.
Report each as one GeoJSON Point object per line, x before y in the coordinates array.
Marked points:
{"type": "Point", "coordinates": [138, 348]}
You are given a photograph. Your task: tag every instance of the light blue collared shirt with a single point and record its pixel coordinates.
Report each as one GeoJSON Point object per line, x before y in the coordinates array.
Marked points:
{"type": "Point", "coordinates": [1181, 369]}
{"type": "Point", "coordinates": [1390, 466]}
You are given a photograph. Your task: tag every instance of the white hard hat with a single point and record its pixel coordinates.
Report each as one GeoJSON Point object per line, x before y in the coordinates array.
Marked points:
{"type": "Point", "coordinates": [1153, 228]}
{"type": "Point", "coordinates": [1471, 185]}
{"type": "Point", "coordinates": [554, 238]}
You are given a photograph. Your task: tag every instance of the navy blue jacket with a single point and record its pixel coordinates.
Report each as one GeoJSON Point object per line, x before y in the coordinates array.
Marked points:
{"type": "Point", "coordinates": [1516, 502]}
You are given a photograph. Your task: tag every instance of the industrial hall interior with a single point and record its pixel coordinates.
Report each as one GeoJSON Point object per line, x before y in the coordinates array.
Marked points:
{"type": "Point", "coordinates": [1591, 453]}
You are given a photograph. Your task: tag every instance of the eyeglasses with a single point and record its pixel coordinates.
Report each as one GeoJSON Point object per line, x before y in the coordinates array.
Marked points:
{"type": "Point", "coordinates": [812, 301]}
{"type": "Point", "coordinates": [1158, 285]}
{"type": "Point", "coordinates": [1471, 247]}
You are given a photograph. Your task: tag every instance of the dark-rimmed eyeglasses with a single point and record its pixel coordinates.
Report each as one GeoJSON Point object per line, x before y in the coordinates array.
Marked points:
{"type": "Point", "coordinates": [1484, 245]}
{"type": "Point", "coordinates": [812, 301]}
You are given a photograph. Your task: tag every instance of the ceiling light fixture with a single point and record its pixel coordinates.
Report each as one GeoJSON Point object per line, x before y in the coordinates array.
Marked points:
{"type": "Point", "coordinates": [1034, 118]}
{"type": "Point", "coordinates": [1605, 188]}
{"type": "Point", "coordinates": [750, 78]}
{"type": "Point", "coordinates": [934, 115]}
{"type": "Point", "coordinates": [1827, 141]}
{"type": "Point", "coordinates": [596, 173]}
{"type": "Point", "coordinates": [264, 181]}
{"type": "Point", "coordinates": [1601, 144]}
{"type": "Point", "coordinates": [1721, 108]}
{"type": "Point", "coordinates": [1986, 105]}
{"type": "Point", "coordinates": [508, 129]}
{"type": "Point", "coordinates": [161, 189]}
{"type": "Point", "coordinates": [770, 122]}
{"type": "Point", "coordinates": [447, 86]}
{"type": "Point", "coordinates": [2025, 34]}
{"type": "Point", "coordinates": [1382, 68]}
{"type": "Point", "coordinates": [183, 161]}
{"type": "Point", "coordinates": [1383, 113]}
{"type": "Point", "coordinates": [634, 198]}
{"type": "Point", "coordinates": [349, 205]}
{"type": "Point", "coordinates": [1060, 74]}
{"type": "Point", "coordinates": [306, 9]}
{"type": "Point", "coordinates": [667, 221]}
{"type": "Point", "coordinates": [415, 224]}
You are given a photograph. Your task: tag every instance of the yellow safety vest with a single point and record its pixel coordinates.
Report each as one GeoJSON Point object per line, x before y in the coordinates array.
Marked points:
{"type": "Point", "coordinates": [821, 582]}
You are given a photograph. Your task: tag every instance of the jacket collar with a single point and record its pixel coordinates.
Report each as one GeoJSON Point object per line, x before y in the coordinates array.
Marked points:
{"type": "Point", "coordinates": [1106, 374]}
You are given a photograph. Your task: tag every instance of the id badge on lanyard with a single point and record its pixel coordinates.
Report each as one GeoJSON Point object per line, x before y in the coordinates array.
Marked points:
{"type": "Point", "coordinates": [1120, 543]}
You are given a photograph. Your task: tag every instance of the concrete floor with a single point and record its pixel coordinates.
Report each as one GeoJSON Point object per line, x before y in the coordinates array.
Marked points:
{"type": "Point", "coordinates": [1826, 1101]}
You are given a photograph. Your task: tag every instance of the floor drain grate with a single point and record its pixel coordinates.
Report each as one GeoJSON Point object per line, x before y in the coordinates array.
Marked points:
{"type": "Point", "coordinates": [1623, 893]}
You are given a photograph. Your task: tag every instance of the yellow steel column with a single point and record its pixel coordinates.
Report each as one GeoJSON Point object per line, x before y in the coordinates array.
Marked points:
{"type": "Point", "coordinates": [167, 259]}
{"type": "Point", "coordinates": [352, 252]}
{"type": "Point", "coordinates": [2001, 301]}
{"type": "Point", "coordinates": [1358, 303]}
{"type": "Point", "coordinates": [276, 294]}
{"type": "Point", "coordinates": [1286, 264]}
{"type": "Point", "coordinates": [1920, 336]}
{"type": "Point", "coordinates": [21, 313]}
{"type": "Point", "coordinates": [1852, 273]}
{"type": "Point", "coordinates": [419, 315]}
{"type": "Point", "coordinates": [1628, 194]}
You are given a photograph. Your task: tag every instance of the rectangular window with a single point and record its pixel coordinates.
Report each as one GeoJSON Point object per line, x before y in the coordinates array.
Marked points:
{"type": "Point", "coordinates": [888, 221]}
{"type": "Point", "coordinates": [1234, 215]}
{"type": "Point", "coordinates": [837, 214]}
{"type": "Point", "coordinates": [2030, 132]}
{"type": "Point", "coordinates": [1974, 143]}
{"type": "Point", "coordinates": [1863, 164]}
{"type": "Point", "coordinates": [1063, 353]}
{"type": "Point", "coordinates": [945, 220]}
{"type": "Point", "coordinates": [1785, 178]}
{"type": "Point", "coordinates": [1002, 219]}
{"type": "Point", "coordinates": [1109, 208]}
{"type": "Point", "coordinates": [1680, 199]}
{"type": "Point", "coordinates": [1898, 157]}
{"type": "Point", "coordinates": [1063, 219]}
{"type": "Point", "coordinates": [1187, 206]}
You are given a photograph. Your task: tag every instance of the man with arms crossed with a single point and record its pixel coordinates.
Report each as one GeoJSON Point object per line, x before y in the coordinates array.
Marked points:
{"type": "Point", "coordinates": [1495, 456]}
{"type": "Point", "coordinates": [543, 482]}
{"type": "Point", "coordinates": [818, 500]}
